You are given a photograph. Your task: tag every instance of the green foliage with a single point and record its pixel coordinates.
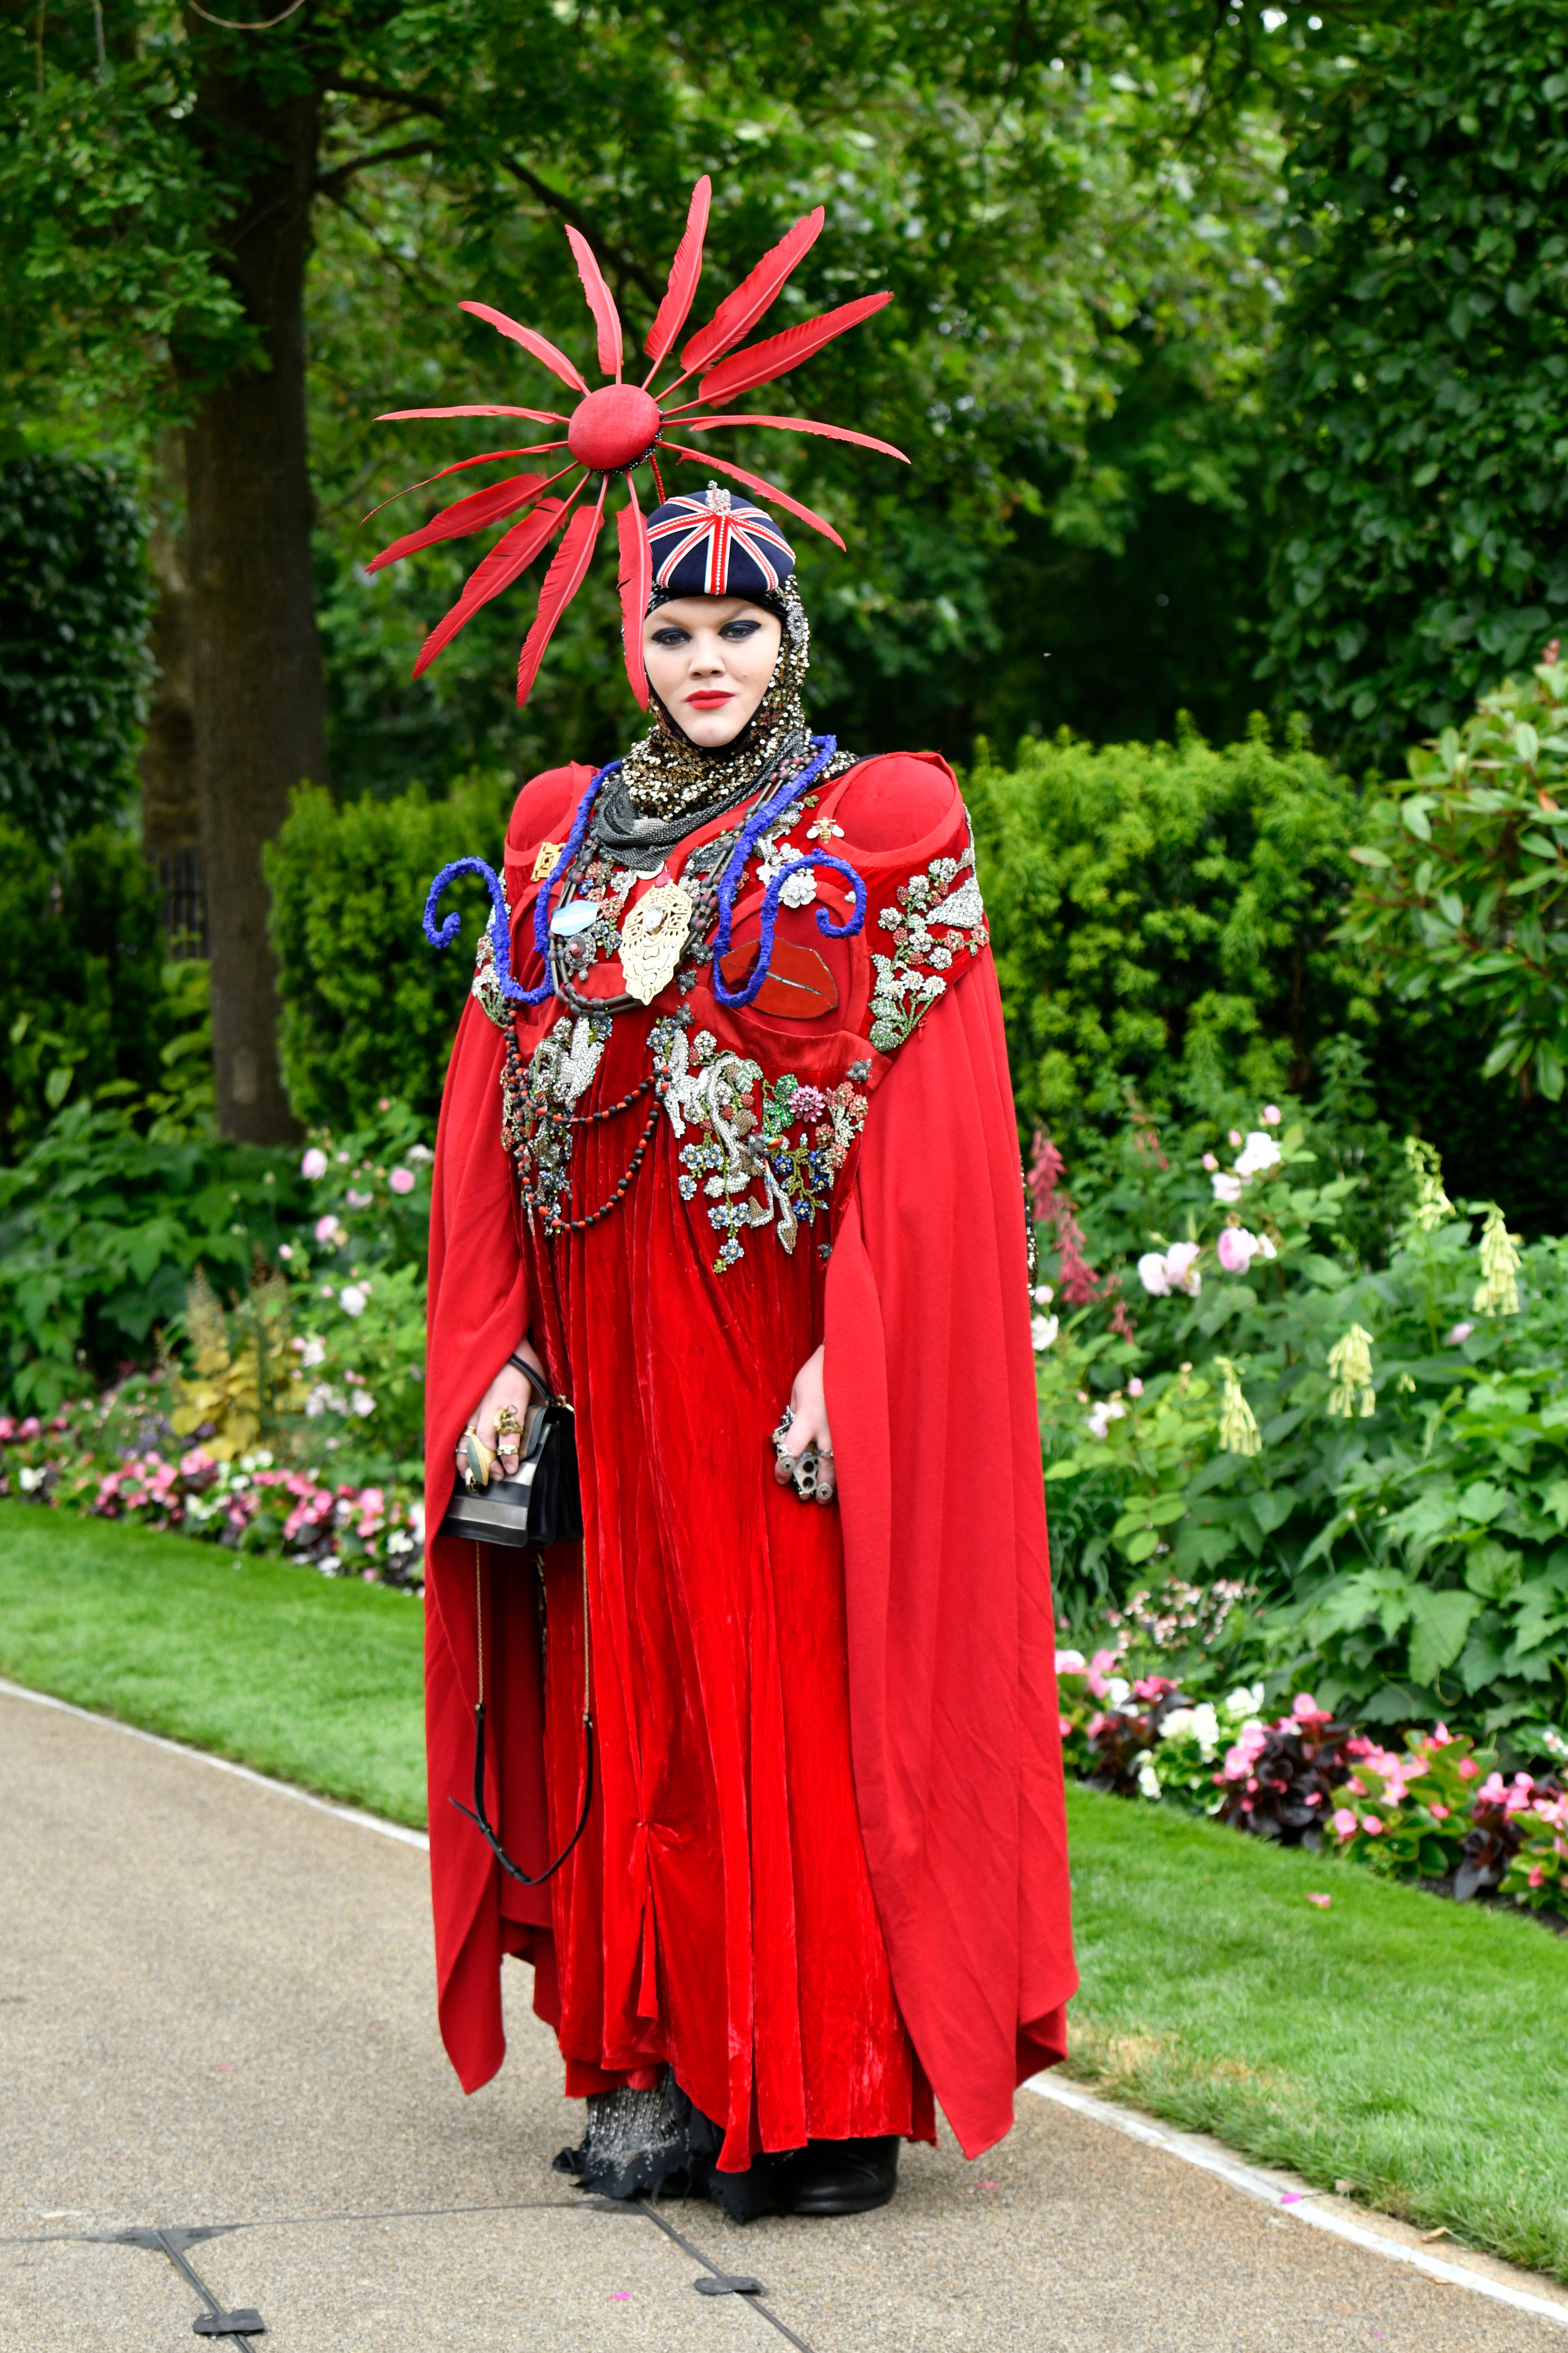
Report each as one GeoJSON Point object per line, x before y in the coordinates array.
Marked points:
{"type": "Point", "coordinates": [369, 1006]}
{"type": "Point", "coordinates": [1424, 364]}
{"type": "Point", "coordinates": [1465, 878]}
{"type": "Point", "coordinates": [74, 665]}
{"type": "Point", "coordinates": [101, 1231]}
{"type": "Point", "coordinates": [1161, 916]}
{"type": "Point", "coordinates": [1407, 1511]}
{"type": "Point", "coordinates": [81, 978]}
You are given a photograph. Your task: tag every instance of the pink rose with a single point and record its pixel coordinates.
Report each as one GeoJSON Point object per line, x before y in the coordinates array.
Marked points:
{"type": "Point", "coordinates": [314, 1164]}
{"type": "Point", "coordinates": [401, 1179]}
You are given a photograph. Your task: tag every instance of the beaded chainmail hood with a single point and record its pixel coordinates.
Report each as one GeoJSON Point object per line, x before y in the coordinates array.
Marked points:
{"type": "Point", "coordinates": [668, 786]}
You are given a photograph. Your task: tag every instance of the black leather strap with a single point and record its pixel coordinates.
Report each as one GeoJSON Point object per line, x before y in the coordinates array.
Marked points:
{"type": "Point", "coordinates": [523, 1365]}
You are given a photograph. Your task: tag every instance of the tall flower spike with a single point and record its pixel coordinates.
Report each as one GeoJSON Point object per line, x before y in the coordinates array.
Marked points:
{"type": "Point", "coordinates": [617, 428]}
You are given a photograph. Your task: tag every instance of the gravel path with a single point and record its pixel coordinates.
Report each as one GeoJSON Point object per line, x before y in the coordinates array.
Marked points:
{"type": "Point", "coordinates": [216, 2015]}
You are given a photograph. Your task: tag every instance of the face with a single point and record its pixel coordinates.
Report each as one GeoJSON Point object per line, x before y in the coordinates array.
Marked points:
{"type": "Point", "coordinates": [708, 660]}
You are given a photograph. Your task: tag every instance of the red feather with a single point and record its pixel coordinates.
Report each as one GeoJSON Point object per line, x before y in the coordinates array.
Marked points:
{"type": "Point", "coordinates": [635, 581]}
{"type": "Point", "coordinates": [487, 457]}
{"type": "Point", "coordinates": [781, 352]}
{"type": "Point", "coordinates": [540, 345]}
{"type": "Point", "coordinates": [602, 303]}
{"type": "Point", "coordinates": [561, 582]}
{"type": "Point", "coordinates": [479, 408]}
{"type": "Point", "coordinates": [684, 272]}
{"type": "Point", "coordinates": [508, 556]}
{"type": "Point", "coordinates": [738, 313]}
{"type": "Point", "coordinates": [476, 512]}
{"type": "Point", "coordinates": [755, 482]}
{"type": "Point", "coordinates": [791, 424]}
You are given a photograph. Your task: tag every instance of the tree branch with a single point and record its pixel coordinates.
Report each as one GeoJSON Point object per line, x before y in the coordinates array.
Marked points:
{"type": "Point", "coordinates": [330, 184]}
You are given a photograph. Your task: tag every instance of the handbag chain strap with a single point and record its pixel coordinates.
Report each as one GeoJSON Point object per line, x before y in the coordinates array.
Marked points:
{"type": "Point", "coordinates": [477, 1814]}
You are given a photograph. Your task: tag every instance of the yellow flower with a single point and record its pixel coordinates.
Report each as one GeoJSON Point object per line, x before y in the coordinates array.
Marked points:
{"type": "Point", "coordinates": [1497, 1294]}
{"type": "Point", "coordinates": [1349, 1365]}
{"type": "Point", "coordinates": [1238, 1431]}
{"type": "Point", "coordinates": [1432, 1204]}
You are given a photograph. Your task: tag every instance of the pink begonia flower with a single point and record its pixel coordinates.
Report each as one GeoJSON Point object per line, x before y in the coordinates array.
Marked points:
{"type": "Point", "coordinates": [1210, 1162]}
{"type": "Point", "coordinates": [1236, 1249]}
{"type": "Point", "coordinates": [1371, 1826]}
{"type": "Point", "coordinates": [1097, 1668]}
{"type": "Point", "coordinates": [1441, 1737]}
{"type": "Point", "coordinates": [1135, 1387]}
{"type": "Point", "coordinates": [1492, 1791]}
{"type": "Point", "coordinates": [314, 1164]}
{"type": "Point", "coordinates": [1272, 1115]}
{"type": "Point", "coordinates": [8, 1426]}
{"type": "Point", "coordinates": [1467, 1768]}
{"type": "Point", "coordinates": [1072, 1662]}
{"type": "Point", "coordinates": [1537, 1876]}
{"type": "Point", "coordinates": [1345, 1824]}
{"type": "Point", "coordinates": [30, 1428]}
{"type": "Point", "coordinates": [1459, 1335]}
{"type": "Point", "coordinates": [1154, 1686]}
{"type": "Point", "coordinates": [1439, 1813]}
{"type": "Point", "coordinates": [402, 1180]}
{"type": "Point", "coordinates": [1235, 1135]}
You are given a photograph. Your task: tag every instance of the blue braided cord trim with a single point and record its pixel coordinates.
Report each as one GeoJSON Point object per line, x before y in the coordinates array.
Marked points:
{"type": "Point", "coordinates": [825, 923]}
{"type": "Point", "coordinates": [824, 748]}
{"type": "Point", "coordinates": [500, 922]}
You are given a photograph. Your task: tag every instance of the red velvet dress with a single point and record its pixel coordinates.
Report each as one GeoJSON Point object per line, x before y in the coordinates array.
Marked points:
{"type": "Point", "coordinates": [824, 1872]}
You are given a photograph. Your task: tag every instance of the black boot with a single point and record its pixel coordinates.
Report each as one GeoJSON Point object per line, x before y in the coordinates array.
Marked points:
{"type": "Point", "coordinates": [842, 2177]}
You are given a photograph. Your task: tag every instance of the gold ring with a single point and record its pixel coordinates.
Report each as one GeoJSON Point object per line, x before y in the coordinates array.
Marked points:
{"type": "Point", "coordinates": [480, 1460]}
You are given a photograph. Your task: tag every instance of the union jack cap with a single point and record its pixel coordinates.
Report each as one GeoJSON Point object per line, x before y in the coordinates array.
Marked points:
{"type": "Point", "coordinates": [717, 545]}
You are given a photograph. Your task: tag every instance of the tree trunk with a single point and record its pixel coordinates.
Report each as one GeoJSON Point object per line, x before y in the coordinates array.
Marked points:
{"type": "Point", "coordinates": [258, 694]}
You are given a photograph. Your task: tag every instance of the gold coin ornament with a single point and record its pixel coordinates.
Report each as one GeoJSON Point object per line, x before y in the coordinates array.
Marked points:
{"type": "Point", "coordinates": [652, 938]}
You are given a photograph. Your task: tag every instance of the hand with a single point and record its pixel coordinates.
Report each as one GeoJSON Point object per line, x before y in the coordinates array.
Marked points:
{"type": "Point", "coordinates": [808, 1404]}
{"type": "Point", "coordinates": [509, 1388]}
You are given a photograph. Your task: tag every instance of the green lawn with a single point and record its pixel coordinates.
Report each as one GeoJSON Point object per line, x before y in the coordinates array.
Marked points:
{"type": "Point", "coordinates": [317, 1679]}
{"type": "Point", "coordinates": [1413, 2047]}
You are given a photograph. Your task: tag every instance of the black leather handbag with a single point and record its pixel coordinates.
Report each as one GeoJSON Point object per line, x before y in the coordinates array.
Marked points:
{"type": "Point", "coordinates": [541, 1503]}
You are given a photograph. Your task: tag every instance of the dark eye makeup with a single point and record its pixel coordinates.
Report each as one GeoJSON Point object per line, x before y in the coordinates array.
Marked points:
{"type": "Point", "coordinates": [737, 631]}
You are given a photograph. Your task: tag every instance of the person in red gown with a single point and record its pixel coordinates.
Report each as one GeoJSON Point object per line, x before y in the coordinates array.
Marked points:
{"type": "Point", "coordinates": [752, 1147]}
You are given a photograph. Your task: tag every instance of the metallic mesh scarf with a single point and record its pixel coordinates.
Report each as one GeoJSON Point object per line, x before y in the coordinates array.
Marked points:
{"type": "Point", "coordinates": [668, 786]}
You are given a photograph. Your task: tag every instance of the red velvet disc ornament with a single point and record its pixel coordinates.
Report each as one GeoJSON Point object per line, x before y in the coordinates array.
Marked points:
{"type": "Point", "coordinates": [613, 427]}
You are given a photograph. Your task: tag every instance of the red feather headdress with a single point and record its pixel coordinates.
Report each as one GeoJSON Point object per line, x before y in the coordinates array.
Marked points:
{"type": "Point", "coordinates": [617, 428]}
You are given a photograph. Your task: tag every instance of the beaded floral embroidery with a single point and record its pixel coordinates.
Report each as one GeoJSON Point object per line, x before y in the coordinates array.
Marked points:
{"type": "Point", "coordinates": [537, 1098]}
{"type": "Point", "coordinates": [937, 916]}
{"type": "Point", "coordinates": [484, 988]}
{"type": "Point", "coordinates": [763, 1152]}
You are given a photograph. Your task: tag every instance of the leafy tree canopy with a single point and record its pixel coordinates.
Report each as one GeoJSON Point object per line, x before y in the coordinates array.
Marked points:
{"type": "Point", "coordinates": [1423, 492]}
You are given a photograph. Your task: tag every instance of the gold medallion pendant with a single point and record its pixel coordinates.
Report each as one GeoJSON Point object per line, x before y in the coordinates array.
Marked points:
{"type": "Point", "coordinates": [652, 937]}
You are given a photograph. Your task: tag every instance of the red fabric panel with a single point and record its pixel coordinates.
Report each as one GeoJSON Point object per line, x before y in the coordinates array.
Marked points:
{"type": "Point", "coordinates": [952, 1643]}
{"type": "Point", "coordinates": [477, 1319]}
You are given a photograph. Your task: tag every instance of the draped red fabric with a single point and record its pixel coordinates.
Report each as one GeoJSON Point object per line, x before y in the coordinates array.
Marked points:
{"type": "Point", "coordinates": [943, 1697]}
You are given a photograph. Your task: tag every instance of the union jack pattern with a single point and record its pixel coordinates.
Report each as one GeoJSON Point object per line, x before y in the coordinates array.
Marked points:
{"type": "Point", "coordinates": [718, 529]}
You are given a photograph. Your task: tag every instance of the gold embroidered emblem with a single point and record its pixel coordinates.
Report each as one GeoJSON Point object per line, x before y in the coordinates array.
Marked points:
{"type": "Point", "coordinates": [544, 860]}
{"type": "Point", "coordinates": [652, 937]}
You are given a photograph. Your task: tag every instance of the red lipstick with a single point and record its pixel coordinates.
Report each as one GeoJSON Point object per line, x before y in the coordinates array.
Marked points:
{"type": "Point", "coordinates": [709, 701]}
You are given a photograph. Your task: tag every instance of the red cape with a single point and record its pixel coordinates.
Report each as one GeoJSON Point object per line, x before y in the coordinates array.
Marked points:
{"type": "Point", "coordinates": [953, 1703]}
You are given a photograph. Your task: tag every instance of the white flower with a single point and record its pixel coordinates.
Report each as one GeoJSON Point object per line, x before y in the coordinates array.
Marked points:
{"type": "Point", "coordinates": [28, 1479]}
{"type": "Point", "coordinates": [1245, 1700]}
{"type": "Point", "coordinates": [1118, 1691]}
{"type": "Point", "coordinates": [311, 1353]}
{"type": "Point", "coordinates": [1102, 1415]}
{"type": "Point", "coordinates": [1180, 1265]}
{"type": "Point", "coordinates": [357, 1200]}
{"type": "Point", "coordinates": [314, 1164]}
{"type": "Point", "coordinates": [1148, 1781]}
{"type": "Point", "coordinates": [1072, 1662]}
{"type": "Point", "coordinates": [1177, 1724]}
{"type": "Point", "coordinates": [361, 1402]}
{"type": "Point", "coordinates": [353, 1298]}
{"type": "Point", "coordinates": [799, 890]}
{"type": "Point", "coordinates": [1226, 1188]}
{"type": "Point", "coordinates": [1044, 1294]}
{"type": "Point", "coordinates": [1153, 1273]}
{"type": "Point", "coordinates": [1205, 1728]}
{"type": "Point", "coordinates": [1258, 1153]}
{"type": "Point", "coordinates": [1043, 1330]}
{"type": "Point", "coordinates": [420, 1152]}
{"type": "Point", "coordinates": [1266, 1247]}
